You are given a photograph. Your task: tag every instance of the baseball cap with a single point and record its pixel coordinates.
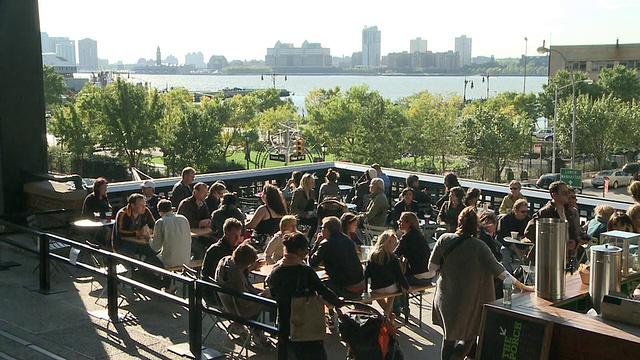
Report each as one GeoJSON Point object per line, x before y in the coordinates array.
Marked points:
{"type": "Point", "coordinates": [148, 184]}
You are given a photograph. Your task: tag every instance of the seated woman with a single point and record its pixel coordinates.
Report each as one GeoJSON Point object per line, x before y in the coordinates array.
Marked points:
{"type": "Point", "coordinates": [232, 273]}
{"type": "Point", "coordinates": [513, 196]}
{"type": "Point", "coordinates": [303, 204]}
{"type": "Point", "coordinates": [227, 210]}
{"type": "Point", "coordinates": [349, 226]}
{"type": "Point", "coordinates": [472, 197]}
{"type": "Point", "coordinates": [266, 219]}
{"type": "Point", "coordinates": [330, 187]}
{"type": "Point", "coordinates": [213, 199]}
{"type": "Point", "coordinates": [383, 268]}
{"type": "Point", "coordinates": [598, 224]}
{"type": "Point", "coordinates": [620, 221]}
{"type": "Point", "coordinates": [406, 203]}
{"type": "Point", "coordinates": [414, 248]}
{"type": "Point", "coordinates": [450, 209]}
{"type": "Point", "coordinates": [275, 249]}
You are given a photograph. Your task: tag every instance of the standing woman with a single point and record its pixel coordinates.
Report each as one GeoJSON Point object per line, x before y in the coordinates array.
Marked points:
{"type": "Point", "coordinates": [509, 200]}
{"type": "Point", "coordinates": [303, 203]}
{"type": "Point", "coordinates": [488, 221]}
{"type": "Point", "coordinates": [451, 208]}
{"type": "Point", "coordinates": [450, 181]}
{"type": "Point", "coordinates": [266, 219]}
{"type": "Point", "coordinates": [414, 248]}
{"type": "Point", "coordinates": [467, 268]}
{"type": "Point", "coordinates": [383, 268]}
{"type": "Point", "coordinates": [330, 186]}
{"type": "Point", "coordinates": [283, 282]}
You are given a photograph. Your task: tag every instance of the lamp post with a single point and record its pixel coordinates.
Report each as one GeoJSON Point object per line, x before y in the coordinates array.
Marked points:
{"type": "Point", "coordinates": [324, 148]}
{"type": "Point", "coordinates": [273, 78]}
{"type": "Point", "coordinates": [524, 86]}
{"type": "Point", "coordinates": [464, 93]}
{"type": "Point", "coordinates": [487, 77]}
{"type": "Point", "coordinates": [545, 50]}
{"type": "Point", "coordinates": [555, 120]}
{"type": "Point", "coordinates": [247, 153]}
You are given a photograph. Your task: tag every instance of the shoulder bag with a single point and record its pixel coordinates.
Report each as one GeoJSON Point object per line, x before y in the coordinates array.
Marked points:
{"type": "Point", "coordinates": [307, 313]}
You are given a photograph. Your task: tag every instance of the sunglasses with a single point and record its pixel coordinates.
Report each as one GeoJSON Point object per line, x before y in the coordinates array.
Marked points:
{"type": "Point", "coordinates": [514, 188]}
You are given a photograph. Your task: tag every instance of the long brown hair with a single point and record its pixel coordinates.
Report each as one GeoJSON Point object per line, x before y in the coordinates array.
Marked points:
{"type": "Point", "coordinates": [468, 222]}
{"type": "Point", "coordinates": [275, 200]}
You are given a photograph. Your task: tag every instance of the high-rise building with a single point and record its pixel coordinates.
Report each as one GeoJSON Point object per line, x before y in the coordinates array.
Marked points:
{"type": "Point", "coordinates": [463, 48]}
{"type": "Point", "coordinates": [417, 45]}
{"type": "Point", "coordinates": [158, 57]}
{"type": "Point", "coordinates": [196, 59]}
{"type": "Point", "coordinates": [371, 52]}
{"type": "Point", "coordinates": [64, 47]}
{"type": "Point", "coordinates": [308, 55]}
{"type": "Point", "coordinates": [88, 54]}
{"type": "Point", "coordinates": [45, 42]}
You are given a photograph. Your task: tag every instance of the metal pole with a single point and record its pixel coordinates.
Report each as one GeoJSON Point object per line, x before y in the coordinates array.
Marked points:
{"type": "Point", "coordinates": [555, 121]}
{"type": "Point", "coordinates": [573, 123]}
{"type": "Point", "coordinates": [524, 86]}
{"type": "Point", "coordinates": [112, 289]}
{"type": "Point", "coordinates": [287, 141]}
{"type": "Point", "coordinates": [195, 319]}
{"type": "Point", "coordinates": [45, 283]}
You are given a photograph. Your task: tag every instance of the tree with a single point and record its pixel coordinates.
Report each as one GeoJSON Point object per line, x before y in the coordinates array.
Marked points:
{"type": "Point", "coordinates": [127, 117]}
{"type": "Point", "coordinates": [493, 134]}
{"type": "Point", "coordinates": [600, 127]}
{"type": "Point", "coordinates": [54, 86]}
{"type": "Point", "coordinates": [621, 82]}
{"type": "Point", "coordinates": [562, 79]}
{"type": "Point", "coordinates": [74, 131]}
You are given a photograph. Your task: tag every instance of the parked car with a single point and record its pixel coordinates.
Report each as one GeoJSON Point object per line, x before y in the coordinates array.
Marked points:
{"type": "Point", "coordinates": [529, 185]}
{"type": "Point", "coordinates": [545, 180]}
{"type": "Point", "coordinates": [632, 169]}
{"type": "Point", "coordinates": [544, 134]}
{"type": "Point", "coordinates": [616, 178]}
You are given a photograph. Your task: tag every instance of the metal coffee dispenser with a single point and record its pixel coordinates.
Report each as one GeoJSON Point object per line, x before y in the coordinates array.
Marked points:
{"type": "Point", "coordinates": [605, 272]}
{"type": "Point", "coordinates": [551, 248]}
{"type": "Point", "coordinates": [628, 242]}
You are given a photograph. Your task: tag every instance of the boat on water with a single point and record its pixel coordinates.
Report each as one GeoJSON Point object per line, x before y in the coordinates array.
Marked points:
{"type": "Point", "coordinates": [231, 92]}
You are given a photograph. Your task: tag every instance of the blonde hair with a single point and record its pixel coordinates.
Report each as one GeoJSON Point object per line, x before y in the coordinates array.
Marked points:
{"type": "Point", "coordinates": [287, 221]}
{"type": "Point", "coordinates": [605, 211]}
{"type": "Point", "coordinates": [380, 254]}
{"type": "Point", "coordinates": [306, 184]}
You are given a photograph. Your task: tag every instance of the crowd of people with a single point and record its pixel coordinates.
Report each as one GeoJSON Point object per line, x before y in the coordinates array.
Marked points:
{"type": "Point", "coordinates": [160, 231]}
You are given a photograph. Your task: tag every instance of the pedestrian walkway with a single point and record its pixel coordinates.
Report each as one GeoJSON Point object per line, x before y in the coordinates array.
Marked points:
{"type": "Point", "coordinates": [63, 325]}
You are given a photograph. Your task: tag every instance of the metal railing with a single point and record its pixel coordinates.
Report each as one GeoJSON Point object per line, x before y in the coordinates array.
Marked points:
{"type": "Point", "coordinates": [193, 302]}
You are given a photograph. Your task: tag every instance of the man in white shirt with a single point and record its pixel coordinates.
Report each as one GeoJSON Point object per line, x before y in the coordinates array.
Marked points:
{"type": "Point", "coordinates": [171, 236]}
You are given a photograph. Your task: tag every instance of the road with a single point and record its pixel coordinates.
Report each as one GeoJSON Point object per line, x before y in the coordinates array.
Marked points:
{"type": "Point", "coordinates": [614, 194]}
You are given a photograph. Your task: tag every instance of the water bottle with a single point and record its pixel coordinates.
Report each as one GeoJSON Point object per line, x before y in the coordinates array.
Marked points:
{"type": "Point", "coordinates": [507, 290]}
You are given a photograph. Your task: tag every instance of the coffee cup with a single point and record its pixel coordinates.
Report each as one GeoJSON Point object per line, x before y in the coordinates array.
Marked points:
{"type": "Point", "coordinates": [108, 214]}
{"type": "Point", "coordinates": [514, 235]}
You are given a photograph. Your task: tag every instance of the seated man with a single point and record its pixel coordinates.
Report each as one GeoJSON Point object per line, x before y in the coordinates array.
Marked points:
{"type": "Point", "coordinates": [516, 221]}
{"type": "Point", "coordinates": [150, 197]}
{"type": "Point", "coordinates": [132, 230]}
{"type": "Point", "coordinates": [196, 211]}
{"type": "Point", "coordinates": [171, 237]}
{"type": "Point", "coordinates": [340, 259]}
{"type": "Point", "coordinates": [231, 273]}
{"type": "Point", "coordinates": [376, 211]}
{"type": "Point", "coordinates": [232, 229]}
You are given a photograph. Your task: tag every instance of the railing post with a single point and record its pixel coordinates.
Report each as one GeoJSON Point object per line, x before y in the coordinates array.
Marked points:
{"type": "Point", "coordinates": [195, 319]}
{"type": "Point", "coordinates": [45, 281]}
{"type": "Point", "coordinates": [112, 289]}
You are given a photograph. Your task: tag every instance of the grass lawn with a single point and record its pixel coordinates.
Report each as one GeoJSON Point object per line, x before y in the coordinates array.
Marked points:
{"type": "Point", "coordinates": [238, 158]}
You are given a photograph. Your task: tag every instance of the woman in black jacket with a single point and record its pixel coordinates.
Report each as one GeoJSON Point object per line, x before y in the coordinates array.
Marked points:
{"type": "Point", "coordinates": [406, 203]}
{"type": "Point", "coordinates": [283, 283]}
{"type": "Point", "coordinates": [414, 248]}
{"type": "Point", "coordinates": [383, 268]}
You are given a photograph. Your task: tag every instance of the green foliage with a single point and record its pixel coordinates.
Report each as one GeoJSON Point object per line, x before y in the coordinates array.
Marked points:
{"type": "Point", "coordinates": [54, 86]}
{"type": "Point", "coordinates": [126, 117]}
{"type": "Point", "coordinates": [620, 82]}
{"type": "Point", "coordinates": [73, 130]}
{"type": "Point", "coordinates": [110, 168]}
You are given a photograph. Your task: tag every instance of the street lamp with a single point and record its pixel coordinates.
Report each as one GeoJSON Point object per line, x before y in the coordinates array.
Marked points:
{"type": "Point", "coordinates": [524, 86]}
{"type": "Point", "coordinates": [555, 117]}
{"type": "Point", "coordinates": [464, 93]}
{"type": "Point", "coordinates": [545, 50]}
{"type": "Point", "coordinates": [247, 153]}
{"type": "Point", "coordinates": [324, 148]}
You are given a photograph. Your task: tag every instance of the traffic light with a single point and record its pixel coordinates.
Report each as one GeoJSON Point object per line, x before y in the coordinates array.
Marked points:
{"type": "Point", "coordinates": [299, 147]}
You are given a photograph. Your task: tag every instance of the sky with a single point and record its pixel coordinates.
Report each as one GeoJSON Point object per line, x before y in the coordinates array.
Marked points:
{"type": "Point", "coordinates": [243, 30]}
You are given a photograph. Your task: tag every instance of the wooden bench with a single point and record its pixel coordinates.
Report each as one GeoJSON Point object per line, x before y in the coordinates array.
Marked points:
{"type": "Point", "coordinates": [369, 297]}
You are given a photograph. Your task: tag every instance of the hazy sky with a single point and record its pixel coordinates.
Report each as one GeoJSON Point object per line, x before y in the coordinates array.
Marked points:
{"type": "Point", "coordinates": [129, 30]}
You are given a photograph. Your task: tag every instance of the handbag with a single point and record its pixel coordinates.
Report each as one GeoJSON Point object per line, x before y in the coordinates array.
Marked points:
{"type": "Point", "coordinates": [307, 313]}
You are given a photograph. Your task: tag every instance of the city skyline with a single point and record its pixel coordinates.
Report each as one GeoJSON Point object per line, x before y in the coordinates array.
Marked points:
{"type": "Point", "coordinates": [207, 27]}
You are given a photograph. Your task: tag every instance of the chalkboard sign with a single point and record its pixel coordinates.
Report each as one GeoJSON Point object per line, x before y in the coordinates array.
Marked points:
{"type": "Point", "coordinates": [507, 335]}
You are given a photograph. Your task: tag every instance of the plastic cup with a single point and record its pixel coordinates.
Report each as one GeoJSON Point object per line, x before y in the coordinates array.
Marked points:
{"type": "Point", "coordinates": [108, 214]}
{"type": "Point", "coordinates": [514, 235]}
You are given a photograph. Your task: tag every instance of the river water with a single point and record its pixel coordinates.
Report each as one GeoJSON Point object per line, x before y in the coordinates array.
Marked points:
{"type": "Point", "coordinates": [391, 87]}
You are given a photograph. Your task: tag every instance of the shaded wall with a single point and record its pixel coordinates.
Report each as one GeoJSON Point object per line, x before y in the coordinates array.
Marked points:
{"type": "Point", "coordinates": [23, 147]}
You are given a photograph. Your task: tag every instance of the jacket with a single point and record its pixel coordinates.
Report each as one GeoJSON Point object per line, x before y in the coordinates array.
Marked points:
{"type": "Point", "coordinates": [376, 211]}
{"type": "Point", "coordinates": [300, 204]}
{"type": "Point", "coordinates": [194, 213]}
{"type": "Point", "coordinates": [340, 259]}
{"type": "Point", "coordinates": [414, 247]}
{"type": "Point", "coordinates": [128, 226]}
{"type": "Point", "coordinates": [549, 211]}
{"type": "Point", "coordinates": [172, 237]}
{"type": "Point", "coordinates": [386, 274]}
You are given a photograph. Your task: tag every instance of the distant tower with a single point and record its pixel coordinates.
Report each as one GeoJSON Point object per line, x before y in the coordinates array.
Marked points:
{"type": "Point", "coordinates": [463, 48]}
{"type": "Point", "coordinates": [158, 57]}
{"type": "Point", "coordinates": [417, 45]}
{"type": "Point", "coordinates": [371, 40]}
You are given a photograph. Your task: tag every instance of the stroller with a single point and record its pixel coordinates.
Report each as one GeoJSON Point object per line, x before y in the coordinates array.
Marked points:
{"type": "Point", "coordinates": [367, 333]}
